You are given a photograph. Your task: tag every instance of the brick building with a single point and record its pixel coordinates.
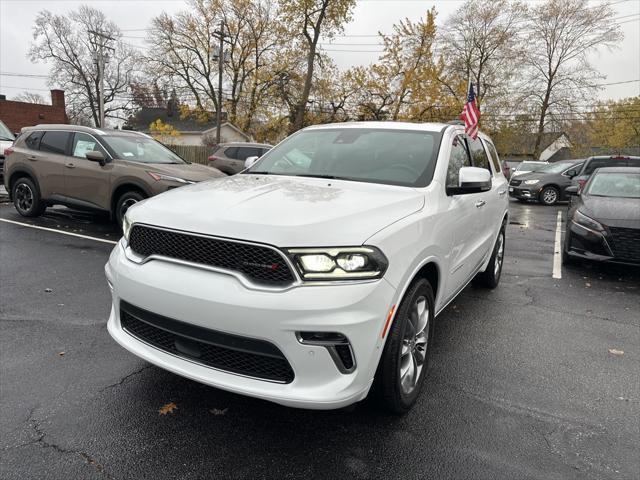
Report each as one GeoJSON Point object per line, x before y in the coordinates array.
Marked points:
{"type": "Point", "coordinates": [16, 115]}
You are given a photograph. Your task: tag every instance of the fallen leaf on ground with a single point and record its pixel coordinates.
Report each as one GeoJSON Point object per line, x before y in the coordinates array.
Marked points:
{"type": "Point", "coordinates": [588, 285]}
{"type": "Point", "coordinates": [613, 351]}
{"type": "Point", "coordinates": [48, 290]}
{"type": "Point", "coordinates": [61, 354]}
{"type": "Point", "coordinates": [168, 408]}
{"type": "Point", "coordinates": [217, 411]}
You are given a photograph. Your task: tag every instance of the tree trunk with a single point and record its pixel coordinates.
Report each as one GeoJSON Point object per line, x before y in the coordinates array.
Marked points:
{"type": "Point", "coordinates": [543, 115]}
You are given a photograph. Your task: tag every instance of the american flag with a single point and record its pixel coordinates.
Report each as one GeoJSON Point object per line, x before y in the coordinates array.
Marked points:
{"type": "Point", "coordinates": [471, 115]}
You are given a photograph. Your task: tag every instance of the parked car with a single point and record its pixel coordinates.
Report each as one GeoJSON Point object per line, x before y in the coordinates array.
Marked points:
{"type": "Point", "coordinates": [603, 224]}
{"type": "Point", "coordinates": [593, 163]}
{"type": "Point", "coordinates": [547, 185]}
{"type": "Point", "coordinates": [317, 271]}
{"type": "Point", "coordinates": [230, 157]}
{"type": "Point", "coordinates": [6, 140]}
{"type": "Point", "coordinates": [92, 169]}
{"type": "Point", "coordinates": [527, 167]}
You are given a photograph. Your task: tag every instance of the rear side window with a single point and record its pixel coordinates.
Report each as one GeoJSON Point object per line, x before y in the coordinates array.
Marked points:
{"type": "Point", "coordinates": [54, 142]}
{"type": "Point", "coordinates": [246, 152]}
{"type": "Point", "coordinates": [493, 156]}
{"type": "Point", "coordinates": [478, 154]}
{"type": "Point", "coordinates": [33, 140]}
{"type": "Point", "coordinates": [231, 152]}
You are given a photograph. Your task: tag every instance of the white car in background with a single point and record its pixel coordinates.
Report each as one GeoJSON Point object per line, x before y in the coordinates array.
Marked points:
{"type": "Point", "coordinates": [315, 274]}
{"type": "Point", "coordinates": [528, 167]}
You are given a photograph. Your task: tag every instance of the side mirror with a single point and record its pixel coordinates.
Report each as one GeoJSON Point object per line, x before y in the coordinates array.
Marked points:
{"type": "Point", "coordinates": [572, 190]}
{"type": "Point", "coordinates": [95, 156]}
{"type": "Point", "coordinates": [250, 161]}
{"type": "Point", "coordinates": [471, 180]}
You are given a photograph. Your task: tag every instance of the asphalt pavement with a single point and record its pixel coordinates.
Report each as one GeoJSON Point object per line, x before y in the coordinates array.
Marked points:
{"type": "Point", "coordinates": [535, 379]}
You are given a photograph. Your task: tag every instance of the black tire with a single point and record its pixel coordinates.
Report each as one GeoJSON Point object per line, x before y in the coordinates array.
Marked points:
{"type": "Point", "coordinates": [388, 388]}
{"type": "Point", "coordinates": [26, 198]}
{"type": "Point", "coordinates": [125, 201]}
{"type": "Point", "coordinates": [491, 276]}
{"type": "Point", "coordinates": [549, 195]}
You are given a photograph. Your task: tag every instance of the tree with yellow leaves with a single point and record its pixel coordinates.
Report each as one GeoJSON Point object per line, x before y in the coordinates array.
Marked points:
{"type": "Point", "coordinates": [163, 132]}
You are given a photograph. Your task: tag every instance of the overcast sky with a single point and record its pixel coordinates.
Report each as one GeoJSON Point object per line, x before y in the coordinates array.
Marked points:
{"type": "Point", "coordinates": [370, 16]}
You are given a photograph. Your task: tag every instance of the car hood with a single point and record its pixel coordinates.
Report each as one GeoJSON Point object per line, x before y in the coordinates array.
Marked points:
{"type": "Point", "coordinates": [189, 171]}
{"type": "Point", "coordinates": [615, 212]}
{"type": "Point", "coordinates": [282, 211]}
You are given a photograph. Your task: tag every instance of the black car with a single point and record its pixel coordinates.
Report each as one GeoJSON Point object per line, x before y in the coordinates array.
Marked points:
{"type": "Point", "coordinates": [547, 185]}
{"type": "Point", "coordinates": [592, 163]}
{"type": "Point", "coordinates": [603, 223]}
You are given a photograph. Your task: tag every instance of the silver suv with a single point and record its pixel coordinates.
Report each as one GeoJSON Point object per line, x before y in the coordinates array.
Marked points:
{"type": "Point", "coordinates": [230, 157]}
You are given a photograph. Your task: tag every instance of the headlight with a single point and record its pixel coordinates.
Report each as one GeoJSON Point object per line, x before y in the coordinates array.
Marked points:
{"type": "Point", "coordinates": [340, 263]}
{"type": "Point", "coordinates": [587, 222]}
{"type": "Point", "coordinates": [126, 227]}
{"type": "Point", "coordinates": [531, 182]}
{"type": "Point", "coordinates": [161, 176]}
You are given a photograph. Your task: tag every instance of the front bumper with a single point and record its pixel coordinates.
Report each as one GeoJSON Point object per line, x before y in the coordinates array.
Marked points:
{"type": "Point", "coordinates": [585, 244]}
{"type": "Point", "coordinates": [524, 193]}
{"type": "Point", "coordinates": [221, 303]}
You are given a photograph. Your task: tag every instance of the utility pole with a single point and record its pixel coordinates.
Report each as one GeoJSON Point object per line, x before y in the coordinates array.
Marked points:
{"type": "Point", "coordinates": [99, 41]}
{"type": "Point", "coordinates": [220, 34]}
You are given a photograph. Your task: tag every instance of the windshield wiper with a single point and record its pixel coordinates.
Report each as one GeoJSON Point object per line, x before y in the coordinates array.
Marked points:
{"type": "Point", "coordinates": [321, 175]}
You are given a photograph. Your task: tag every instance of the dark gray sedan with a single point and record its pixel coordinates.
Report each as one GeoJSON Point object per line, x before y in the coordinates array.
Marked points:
{"type": "Point", "coordinates": [546, 185]}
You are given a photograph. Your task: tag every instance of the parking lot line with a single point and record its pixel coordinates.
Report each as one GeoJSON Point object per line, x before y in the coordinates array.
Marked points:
{"type": "Point", "coordinates": [59, 231]}
{"type": "Point", "coordinates": [557, 249]}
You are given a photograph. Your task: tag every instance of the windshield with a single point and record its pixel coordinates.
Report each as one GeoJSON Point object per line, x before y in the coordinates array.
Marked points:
{"type": "Point", "coordinates": [393, 157]}
{"type": "Point", "coordinates": [140, 149]}
{"type": "Point", "coordinates": [5, 133]}
{"type": "Point", "coordinates": [622, 185]}
{"type": "Point", "coordinates": [531, 167]}
{"type": "Point", "coordinates": [555, 167]}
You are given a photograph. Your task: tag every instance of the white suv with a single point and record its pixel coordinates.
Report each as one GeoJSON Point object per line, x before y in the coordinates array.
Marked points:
{"type": "Point", "coordinates": [316, 274]}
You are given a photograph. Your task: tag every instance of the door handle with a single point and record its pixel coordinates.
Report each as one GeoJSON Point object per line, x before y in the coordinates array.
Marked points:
{"type": "Point", "coordinates": [33, 158]}
{"type": "Point", "coordinates": [502, 192]}
{"type": "Point", "coordinates": [69, 165]}
{"type": "Point", "coordinates": [480, 203]}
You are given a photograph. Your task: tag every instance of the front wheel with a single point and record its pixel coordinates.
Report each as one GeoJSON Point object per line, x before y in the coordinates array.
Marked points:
{"type": "Point", "coordinates": [491, 276]}
{"type": "Point", "coordinates": [125, 202]}
{"type": "Point", "coordinates": [26, 198]}
{"type": "Point", "coordinates": [549, 195]}
{"type": "Point", "coordinates": [405, 357]}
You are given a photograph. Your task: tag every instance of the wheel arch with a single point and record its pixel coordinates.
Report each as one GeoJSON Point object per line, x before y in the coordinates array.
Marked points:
{"type": "Point", "coordinates": [19, 173]}
{"type": "Point", "coordinates": [124, 187]}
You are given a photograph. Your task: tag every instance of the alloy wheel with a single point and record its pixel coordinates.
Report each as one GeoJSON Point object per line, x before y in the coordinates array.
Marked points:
{"type": "Point", "coordinates": [24, 197]}
{"type": "Point", "coordinates": [414, 345]}
{"type": "Point", "coordinates": [126, 205]}
{"type": "Point", "coordinates": [499, 255]}
{"type": "Point", "coordinates": [550, 196]}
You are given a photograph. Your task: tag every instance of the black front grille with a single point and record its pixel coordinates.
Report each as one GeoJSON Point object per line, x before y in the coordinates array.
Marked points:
{"type": "Point", "coordinates": [625, 243]}
{"type": "Point", "coordinates": [231, 353]}
{"type": "Point", "coordinates": [515, 183]}
{"type": "Point", "coordinates": [260, 264]}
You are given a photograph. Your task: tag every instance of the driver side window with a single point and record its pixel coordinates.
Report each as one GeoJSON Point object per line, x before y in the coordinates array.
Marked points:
{"type": "Point", "coordinates": [458, 158]}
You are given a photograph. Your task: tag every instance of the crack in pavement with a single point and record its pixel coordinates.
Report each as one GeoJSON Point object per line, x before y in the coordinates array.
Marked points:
{"type": "Point", "coordinates": [125, 378]}
{"type": "Point", "coordinates": [44, 443]}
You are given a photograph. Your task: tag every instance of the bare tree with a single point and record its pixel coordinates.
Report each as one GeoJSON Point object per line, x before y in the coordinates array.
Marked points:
{"type": "Point", "coordinates": [561, 35]}
{"type": "Point", "coordinates": [65, 41]}
{"type": "Point", "coordinates": [30, 97]}
{"type": "Point", "coordinates": [481, 41]}
{"type": "Point", "coordinates": [307, 20]}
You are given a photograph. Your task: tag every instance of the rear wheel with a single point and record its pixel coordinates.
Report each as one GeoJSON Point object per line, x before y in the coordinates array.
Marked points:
{"type": "Point", "coordinates": [26, 198]}
{"type": "Point", "coordinates": [549, 195]}
{"type": "Point", "coordinates": [125, 202]}
{"type": "Point", "coordinates": [405, 357]}
{"type": "Point", "coordinates": [491, 276]}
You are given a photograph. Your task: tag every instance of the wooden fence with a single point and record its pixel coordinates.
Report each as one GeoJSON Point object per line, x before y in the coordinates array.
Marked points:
{"type": "Point", "coordinates": [193, 153]}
